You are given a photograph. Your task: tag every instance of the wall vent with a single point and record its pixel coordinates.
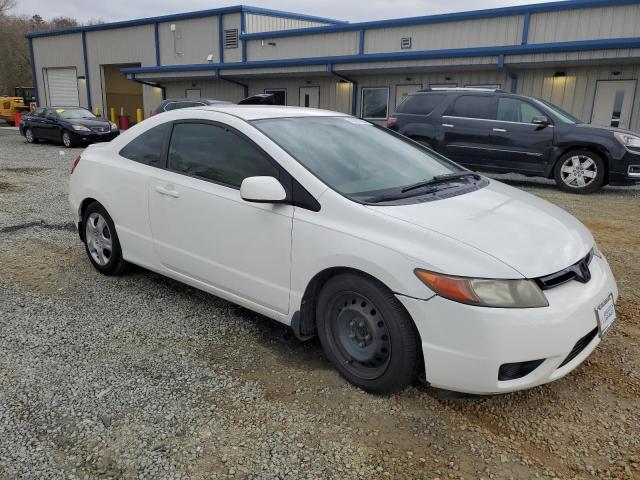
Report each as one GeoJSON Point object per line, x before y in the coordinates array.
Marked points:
{"type": "Point", "coordinates": [231, 38]}
{"type": "Point", "coordinates": [405, 43]}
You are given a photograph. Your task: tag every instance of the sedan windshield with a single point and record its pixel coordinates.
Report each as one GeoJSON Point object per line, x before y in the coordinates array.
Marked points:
{"type": "Point", "coordinates": [74, 113]}
{"type": "Point", "coordinates": [355, 157]}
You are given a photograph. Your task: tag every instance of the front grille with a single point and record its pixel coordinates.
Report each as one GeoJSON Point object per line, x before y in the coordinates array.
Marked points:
{"type": "Point", "coordinates": [580, 346]}
{"type": "Point", "coordinates": [579, 271]}
{"type": "Point", "coordinates": [513, 371]}
{"type": "Point", "coordinates": [100, 129]}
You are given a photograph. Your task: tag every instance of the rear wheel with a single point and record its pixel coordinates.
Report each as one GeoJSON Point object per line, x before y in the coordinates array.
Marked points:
{"type": "Point", "coordinates": [366, 334]}
{"type": "Point", "coordinates": [67, 141]}
{"type": "Point", "coordinates": [29, 136]}
{"type": "Point", "coordinates": [101, 241]}
{"type": "Point", "coordinates": [580, 171]}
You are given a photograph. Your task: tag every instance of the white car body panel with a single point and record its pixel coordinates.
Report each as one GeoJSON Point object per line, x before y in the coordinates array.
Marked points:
{"type": "Point", "coordinates": [263, 256]}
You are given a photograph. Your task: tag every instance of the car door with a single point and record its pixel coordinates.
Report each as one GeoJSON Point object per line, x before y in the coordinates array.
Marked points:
{"type": "Point", "coordinates": [466, 129]}
{"type": "Point", "coordinates": [518, 143]}
{"type": "Point", "coordinates": [35, 121]}
{"type": "Point", "coordinates": [204, 231]}
{"type": "Point", "coordinates": [49, 127]}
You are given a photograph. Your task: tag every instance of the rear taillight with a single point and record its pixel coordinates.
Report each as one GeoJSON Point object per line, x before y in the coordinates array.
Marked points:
{"type": "Point", "coordinates": [75, 164]}
{"type": "Point", "coordinates": [391, 121]}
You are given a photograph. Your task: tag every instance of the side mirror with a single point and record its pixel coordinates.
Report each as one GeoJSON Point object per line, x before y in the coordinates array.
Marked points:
{"type": "Point", "coordinates": [262, 190]}
{"type": "Point", "coordinates": [541, 120]}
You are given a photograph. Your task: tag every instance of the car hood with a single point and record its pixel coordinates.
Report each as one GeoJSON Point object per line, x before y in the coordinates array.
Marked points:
{"type": "Point", "coordinates": [601, 128]}
{"type": "Point", "coordinates": [528, 234]}
{"type": "Point", "coordinates": [87, 122]}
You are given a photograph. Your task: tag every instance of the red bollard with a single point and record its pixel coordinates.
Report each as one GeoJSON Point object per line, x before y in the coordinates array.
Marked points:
{"type": "Point", "coordinates": [123, 122]}
{"type": "Point", "coordinates": [17, 117]}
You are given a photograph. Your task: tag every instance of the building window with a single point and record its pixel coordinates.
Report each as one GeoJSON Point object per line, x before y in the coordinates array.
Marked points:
{"type": "Point", "coordinates": [231, 38]}
{"type": "Point", "coordinates": [375, 103]}
{"type": "Point", "coordinates": [279, 95]}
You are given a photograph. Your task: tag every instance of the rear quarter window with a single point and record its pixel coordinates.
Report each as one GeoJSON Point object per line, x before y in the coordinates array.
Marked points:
{"type": "Point", "coordinates": [420, 104]}
{"type": "Point", "coordinates": [148, 147]}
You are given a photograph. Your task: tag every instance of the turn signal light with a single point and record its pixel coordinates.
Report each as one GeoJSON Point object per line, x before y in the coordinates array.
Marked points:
{"type": "Point", "coordinates": [449, 287]}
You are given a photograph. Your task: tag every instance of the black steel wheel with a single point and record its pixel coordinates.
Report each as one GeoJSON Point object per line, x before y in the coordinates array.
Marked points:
{"type": "Point", "coordinates": [367, 334]}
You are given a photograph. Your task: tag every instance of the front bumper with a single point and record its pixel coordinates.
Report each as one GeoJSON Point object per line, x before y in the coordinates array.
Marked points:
{"type": "Point", "coordinates": [626, 170]}
{"type": "Point", "coordinates": [464, 346]}
{"type": "Point", "coordinates": [93, 137]}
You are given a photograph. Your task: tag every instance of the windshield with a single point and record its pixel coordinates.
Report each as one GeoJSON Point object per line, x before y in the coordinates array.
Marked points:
{"type": "Point", "coordinates": [74, 113]}
{"type": "Point", "coordinates": [352, 156]}
{"type": "Point", "coordinates": [561, 114]}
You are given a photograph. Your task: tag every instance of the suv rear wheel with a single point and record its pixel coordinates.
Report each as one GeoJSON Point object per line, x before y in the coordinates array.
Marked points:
{"type": "Point", "coordinates": [580, 171]}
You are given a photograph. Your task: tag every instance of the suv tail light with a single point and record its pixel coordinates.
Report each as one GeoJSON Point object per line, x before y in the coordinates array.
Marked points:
{"type": "Point", "coordinates": [391, 121]}
{"type": "Point", "coordinates": [75, 164]}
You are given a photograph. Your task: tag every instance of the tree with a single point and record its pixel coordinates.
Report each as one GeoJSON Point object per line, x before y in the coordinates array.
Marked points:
{"type": "Point", "coordinates": [6, 5]}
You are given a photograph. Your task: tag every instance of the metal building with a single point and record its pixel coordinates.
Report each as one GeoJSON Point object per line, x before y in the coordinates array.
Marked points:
{"type": "Point", "coordinates": [582, 55]}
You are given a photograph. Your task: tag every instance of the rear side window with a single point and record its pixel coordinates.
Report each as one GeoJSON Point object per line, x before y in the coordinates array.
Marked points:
{"type": "Point", "coordinates": [420, 104]}
{"type": "Point", "coordinates": [473, 106]}
{"type": "Point", "coordinates": [216, 153]}
{"type": "Point", "coordinates": [147, 147]}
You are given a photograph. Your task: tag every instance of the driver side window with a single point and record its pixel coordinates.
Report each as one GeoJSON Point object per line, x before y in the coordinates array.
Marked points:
{"type": "Point", "coordinates": [515, 110]}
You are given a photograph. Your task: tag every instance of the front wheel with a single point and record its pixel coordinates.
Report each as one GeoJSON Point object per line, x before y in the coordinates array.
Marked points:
{"type": "Point", "coordinates": [367, 334]}
{"type": "Point", "coordinates": [580, 171]}
{"type": "Point", "coordinates": [67, 141]}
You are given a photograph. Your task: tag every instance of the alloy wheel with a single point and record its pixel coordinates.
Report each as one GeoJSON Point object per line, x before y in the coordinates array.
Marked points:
{"type": "Point", "coordinates": [359, 332]}
{"type": "Point", "coordinates": [29, 135]}
{"type": "Point", "coordinates": [66, 139]}
{"type": "Point", "coordinates": [99, 239]}
{"type": "Point", "coordinates": [579, 171]}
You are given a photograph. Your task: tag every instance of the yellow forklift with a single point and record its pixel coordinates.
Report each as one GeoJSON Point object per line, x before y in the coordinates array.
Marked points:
{"type": "Point", "coordinates": [21, 102]}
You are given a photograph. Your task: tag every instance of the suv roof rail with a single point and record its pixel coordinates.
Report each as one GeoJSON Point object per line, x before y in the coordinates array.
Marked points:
{"type": "Point", "coordinates": [461, 89]}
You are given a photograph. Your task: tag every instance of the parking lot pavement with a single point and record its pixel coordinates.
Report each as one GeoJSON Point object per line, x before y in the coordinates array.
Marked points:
{"type": "Point", "coordinates": [142, 377]}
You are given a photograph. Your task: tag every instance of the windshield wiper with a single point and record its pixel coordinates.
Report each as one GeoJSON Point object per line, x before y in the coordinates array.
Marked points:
{"type": "Point", "coordinates": [438, 179]}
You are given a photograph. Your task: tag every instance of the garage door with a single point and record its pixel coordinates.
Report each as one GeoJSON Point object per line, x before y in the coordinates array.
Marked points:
{"type": "Point", "coordinates": [63, 87]}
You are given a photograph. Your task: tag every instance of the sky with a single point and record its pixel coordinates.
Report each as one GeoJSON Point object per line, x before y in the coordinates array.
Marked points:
{"type": "Point", "coordinates": [350, 10]}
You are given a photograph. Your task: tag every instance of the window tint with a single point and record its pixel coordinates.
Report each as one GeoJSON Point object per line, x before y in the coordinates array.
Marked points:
{"type": "Point", "coordinates": [147, 147]}
{"type": "Point", "coordinates": [279, 96]}
{"type": "Point", "coordinates": [515, 110]}
{"type": "Point", "coordinates": [420, 104]}
{"type": "Point", "coordinates": [375, 103]}
{"type": "Point", "coordinates": [473, 106]}
{"type": "Point", "coordinates": [217, 154]}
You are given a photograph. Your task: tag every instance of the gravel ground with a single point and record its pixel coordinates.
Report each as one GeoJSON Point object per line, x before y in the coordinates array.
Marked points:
{"type": "Point", "coordinates": [142, 377]}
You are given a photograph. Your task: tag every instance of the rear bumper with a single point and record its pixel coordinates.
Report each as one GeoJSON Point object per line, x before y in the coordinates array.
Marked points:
{"type": "Point", "coordinates": [464, 346]}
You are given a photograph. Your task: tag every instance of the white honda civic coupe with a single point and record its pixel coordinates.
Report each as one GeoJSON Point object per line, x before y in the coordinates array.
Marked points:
{"type": "Point", "coordinates": [399, 260]}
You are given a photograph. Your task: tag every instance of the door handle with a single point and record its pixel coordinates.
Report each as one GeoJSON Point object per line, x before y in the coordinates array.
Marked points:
{"type": "Point", "coordinates": [448, 125]}
{"type": "Point", "coordinates": [500, 130]}
{"type": "Point", "coordinates": [168, 193]}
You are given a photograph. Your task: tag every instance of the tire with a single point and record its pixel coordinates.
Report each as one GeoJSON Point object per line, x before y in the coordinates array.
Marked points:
{"type": "Point", "coordinates": [101, 241]}
{"type": "Point", "coordinates": [29, 136]}
{"type": "Point", "coordinates": [580, 171]}
{"type": "Point", "coordinates": [67, 140]}
{"type": "Point", "coordinates": [367, 334]}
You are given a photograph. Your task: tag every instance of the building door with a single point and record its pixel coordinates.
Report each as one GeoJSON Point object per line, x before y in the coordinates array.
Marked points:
{"type": "Point", "coordinates": [403, 90]}
{"type": "Point", "coordinates": [62, 86]}
{"type": "Point", "coordinates": [310, 97]}
{"type": "Point", "coordinates": [613, 103]}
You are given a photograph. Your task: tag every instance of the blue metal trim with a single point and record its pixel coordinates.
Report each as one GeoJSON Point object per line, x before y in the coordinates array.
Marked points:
{"type": "Point", "coordinates": [221, 40]}
{"type": "Point", "coordinates": [354, 93]}
{"type": "Point", "coordinates": [32, 59]}
{"type": "Point", "coordinates": [156, 33]}
{"type": "Point", "coordinates": [582, 45]}
{"type": "Point", "coordinates": [293, 16]}
{"type": "Point", "coordinates": [525, 28]}
{"type": "Point", "coordinates": [447, 17]}
{"type": "Point", "coordinates": [361, 43]}
{"type": "Point", "coordinates": [501, 60]}
{"type": "Point", "coordinates": [243, 28]}
{"type": "Point", "coordinates": [86, 70]}
{"type": "Point", "coordinates": [181, 16]}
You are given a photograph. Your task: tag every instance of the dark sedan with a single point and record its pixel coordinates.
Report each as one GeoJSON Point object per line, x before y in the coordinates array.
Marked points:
{"type": "Point", "coordinates": [70, 125]}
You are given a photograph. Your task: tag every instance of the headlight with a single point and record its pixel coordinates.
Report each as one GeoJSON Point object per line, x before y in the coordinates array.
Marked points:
{"type": "Point", "coordinates": [114, 127]}
{"type": "Point", "coordinates": [80, 128]}
{"type": "Point", "coordinates": [627, 139]}
{"type": "Point", "coordinates": [485, 292]}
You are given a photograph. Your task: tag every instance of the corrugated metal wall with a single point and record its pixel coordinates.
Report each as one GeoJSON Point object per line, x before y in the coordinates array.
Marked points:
{"type": "Point", "coordinates": [192, 41]}
{"type": "Point", "coordinates": [255, 23]}
{"type": "Point", "coordinates": [213, 89]}
{"type": "Point", "coordinates": [59, 51]}
{"type": "Point", "coordinates": [585, 24]}
{"type": "Point", "coordinates": [470, 33]}
{"type": "Point", "coordinates": [328, 44]}
{"type": "Point", "coordinates": [230, 21]}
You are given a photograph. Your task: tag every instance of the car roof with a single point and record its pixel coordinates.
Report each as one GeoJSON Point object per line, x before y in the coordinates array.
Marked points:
{"type": "Point", "coordinates": [202, 100]}
{"type": "Point", "coordinates": [258, 112]}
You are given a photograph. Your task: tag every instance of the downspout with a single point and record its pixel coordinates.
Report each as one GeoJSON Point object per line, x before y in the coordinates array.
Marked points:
{"type": "Point", "coordinates": [244, 86]}
{"type": "Point", "coordinates": [33, 70]}
{"type": "Point", "coordinates": [133, 78]}
{"type": "Point", "coordinates": [354, 98]}
{"type": "Point", "coordinates": [512, 75]}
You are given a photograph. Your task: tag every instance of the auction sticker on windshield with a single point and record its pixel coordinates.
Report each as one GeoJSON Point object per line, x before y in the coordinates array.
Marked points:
{"type": "Point", "coordinates": [606, 314]}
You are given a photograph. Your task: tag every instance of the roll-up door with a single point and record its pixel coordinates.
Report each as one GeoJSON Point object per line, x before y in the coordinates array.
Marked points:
{"type": "Point", "coordinates": [63, 87]}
